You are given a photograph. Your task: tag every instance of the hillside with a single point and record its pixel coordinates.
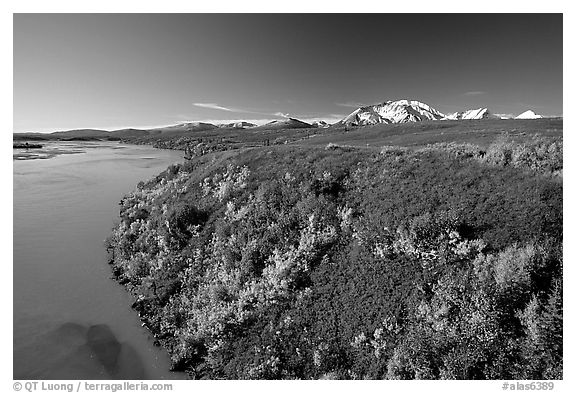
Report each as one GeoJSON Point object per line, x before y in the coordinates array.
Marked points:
{"type": "Point", "coordinates": [83, 133]}
{"type": "Point", "coordinates": [129, 133]}
{"type": "Point", "coordinates": [480, 132]}
{"type": "Point", "coordinates": [183, 128]}
{"type": "Point", "coordinates": [427, 250]}
{"type": "Point", "coordinates": [285, 124]}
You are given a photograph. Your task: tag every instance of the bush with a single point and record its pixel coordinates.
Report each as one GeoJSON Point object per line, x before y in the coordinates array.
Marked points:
{"type": "Point", "coordinates": [330, 263]}
{"type": "Point", "coordinates": [540, 155]}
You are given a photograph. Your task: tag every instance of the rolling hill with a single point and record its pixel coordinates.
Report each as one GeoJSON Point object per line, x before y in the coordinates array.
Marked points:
{"type": "Point", "coordinates": [284, 124]}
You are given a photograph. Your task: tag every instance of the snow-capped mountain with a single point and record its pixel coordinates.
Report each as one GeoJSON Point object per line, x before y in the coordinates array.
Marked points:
{"type": "Point", "coordinates": [401, 111]}
{"type": "Point", "coordinates": [388, 112]}
{"type": "Point", "coordinates": [240, 124]}
{"type": "Point", "coordinates": [529, 114]}
{"type": "Point", "coordinates": [472, 114]}
{"type": "Point", "coordinates": [320, 124]}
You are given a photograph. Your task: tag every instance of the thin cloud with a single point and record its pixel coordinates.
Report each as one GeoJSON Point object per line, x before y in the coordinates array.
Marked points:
{"type": "Point", "coordinates": [529, 106]}
{"type": "Point", "coordinates": [235, 120]}
{"type": "Point", "coordinates": [210, 105]}
{"type": "Point", "coordinates": [329, 118]}
{"type": "Point", "coordinates": [332, 117]}
{"type": "Point", "coordinates": [350, 104]}
{"type": "Point", "coordinates": [474, 93]}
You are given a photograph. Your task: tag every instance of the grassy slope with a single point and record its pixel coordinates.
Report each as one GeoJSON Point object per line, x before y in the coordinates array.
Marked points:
{"type": "Point", "coordinates": [481, 132]}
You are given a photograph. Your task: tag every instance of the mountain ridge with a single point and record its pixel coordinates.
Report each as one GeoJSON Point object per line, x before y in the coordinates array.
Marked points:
{"type": "Point", "coordinates": [400, 111]}
{"type": "Point", "coordinates": [473, 114]}
{"type": "Point", "coordinates": [387, 112]}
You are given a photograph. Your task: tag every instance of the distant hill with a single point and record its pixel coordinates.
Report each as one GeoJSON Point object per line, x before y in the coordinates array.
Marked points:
{"type": "Point", "coordinates": [82, 133]}
{"type": "Point", "coordinates": [129, 133]}
{"type": "Point", "coordinates": [31, 136]}
{"type": "Point", "coordinates": [126, 133]}
{"type": "Point", "coordinates": [183, 127]}
{"type": "Point", "coordinates": [284, 124]}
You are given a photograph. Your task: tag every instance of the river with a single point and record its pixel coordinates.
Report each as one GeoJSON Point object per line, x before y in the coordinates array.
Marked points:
{"type": "Point", "coordinates": [71, 321]}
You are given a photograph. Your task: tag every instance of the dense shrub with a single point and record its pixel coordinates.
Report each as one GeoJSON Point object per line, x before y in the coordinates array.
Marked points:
{"type": "Point", "coordinates": [340, 263]}
{"type": "Point", "coordinates": [542, 155]}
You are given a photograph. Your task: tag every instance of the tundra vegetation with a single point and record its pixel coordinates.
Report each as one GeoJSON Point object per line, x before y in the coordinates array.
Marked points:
{"type": "Point", "coordinates": [299, 262]}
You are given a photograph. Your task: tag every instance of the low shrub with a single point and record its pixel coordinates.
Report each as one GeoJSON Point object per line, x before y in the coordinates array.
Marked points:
{"type": "Point", "coordinates": [290, 263]}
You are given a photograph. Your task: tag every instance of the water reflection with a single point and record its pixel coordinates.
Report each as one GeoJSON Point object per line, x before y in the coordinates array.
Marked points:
{"type": "Point", "coordinates": [75, 351]}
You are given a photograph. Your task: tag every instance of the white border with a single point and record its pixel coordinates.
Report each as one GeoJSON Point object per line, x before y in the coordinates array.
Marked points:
{"type": "Point", "coordinates": [422, 6]}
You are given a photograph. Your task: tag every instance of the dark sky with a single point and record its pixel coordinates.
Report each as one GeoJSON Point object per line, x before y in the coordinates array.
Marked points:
{"type": "Point", "coordinates": [136, 70]}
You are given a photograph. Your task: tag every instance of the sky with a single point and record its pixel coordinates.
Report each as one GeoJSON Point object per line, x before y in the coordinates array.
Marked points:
{"type": "Point", "coordinates": [111, 71]}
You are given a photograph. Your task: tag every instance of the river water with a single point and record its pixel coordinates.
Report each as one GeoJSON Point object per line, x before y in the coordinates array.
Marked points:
{"type": "Point", "coordinates": [71, 321]}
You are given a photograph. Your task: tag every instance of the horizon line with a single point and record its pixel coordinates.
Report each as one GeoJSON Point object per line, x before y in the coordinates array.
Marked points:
{"type": "Point", "coordinates": [219, 122]}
